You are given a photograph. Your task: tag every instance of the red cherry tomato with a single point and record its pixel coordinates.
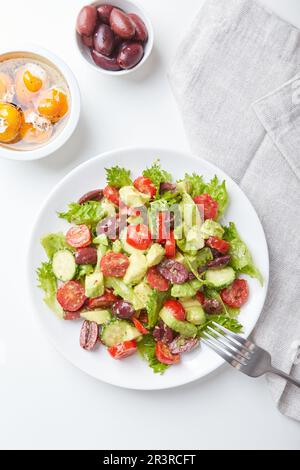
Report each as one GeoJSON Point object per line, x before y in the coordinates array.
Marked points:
{"type": "Point", "coordinates": [122, 350]}
{"type": "Point", "coordinates": [200, 297]}
{"type": "Point", "coordinates": [176, 308]}
{"type": "Point", "coordinates": [170, 246]}
{"type": "Point", "coordinates": [139, 326]}
{"type": "Point", "coordinates": [79, 236]}
{"type": "Point", "coordinates": [237, 294]}
{"type": "Point", "coordinates": [103, 301]}
{"type": "Point", "coordinates": [220, 245]}
{"type": "Point", "coordinates": [145, 185]}
{"type": "Point", "coordinates": [114, 264]}
{"type": "Point", "coordinates": [208, 205]}
{"type": "Point", "coordinates": [156, 280]}
{"type": "Point", "coordinates": [138, 236]}
{"type": "Point", "coordinates": [164, 354]}
{"type": "Point", "coordinates": [71, 296]}
{"type": "Point", "coordinates": [112, 194]}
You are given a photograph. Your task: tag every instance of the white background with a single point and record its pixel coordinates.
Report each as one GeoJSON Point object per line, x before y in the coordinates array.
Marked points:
{"type": "Point", "coordinates": [44, 401]}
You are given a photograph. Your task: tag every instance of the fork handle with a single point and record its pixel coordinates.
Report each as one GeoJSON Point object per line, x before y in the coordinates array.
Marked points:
{"type": "Point", "coordinates": [289, 378]}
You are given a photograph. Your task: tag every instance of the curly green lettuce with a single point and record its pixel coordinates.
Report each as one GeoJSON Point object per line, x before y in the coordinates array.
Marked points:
{"type": "Point", "coordinates": [230, 323]}
{"type": "Point", "coordinates": [47, 282]}
{"type": "Point", "coordinates": [118, 177]}
{"type": "Point", "coordinates": [146, 348]}
{"type": "Point", "coordinates": [154, 305]}
{"type": "Point", "coordinates": [89, 213]}
{"type": "Point", "coordinates": [54, 242]}
{"type": "Point", "coordinates": [157, 175]}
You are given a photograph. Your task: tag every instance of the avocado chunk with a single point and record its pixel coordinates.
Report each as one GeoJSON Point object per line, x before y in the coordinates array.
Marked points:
{"type": "Point", "coordinates": [94, 285]}
{"type": "Point", "coordinates": [98, 316]}
{"type": "Point", "coordinates": [194, 311]}
{"type": "Point", "coordinates": [210, 228]}
{"type": "Point", "coordinates": [108, 208]}
{"type": "Point", "coordinates": [182, 327]}
{"type": "Point", "coordinates": [141, 294]}
{"type": "Point", "coordinates": [117, 246]}
{"type": "Point", "coordinates": [137, 268]}
{"type": "Point", "coordinates": [188, 289]}
{"type": "Point", "coordinates": [132, 197]}
{"type": "Point", "coordinates": [117, 332]}
{"type": "Point", "coordinates": [155, 254]}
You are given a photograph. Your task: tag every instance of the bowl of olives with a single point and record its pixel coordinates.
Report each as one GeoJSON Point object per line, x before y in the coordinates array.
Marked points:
{"type": "Point", "coordinates": [114, 36]}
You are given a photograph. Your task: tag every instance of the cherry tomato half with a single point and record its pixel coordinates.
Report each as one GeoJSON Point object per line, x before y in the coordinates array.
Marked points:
{"type": "Point", "coordinates": [145, 185]}
{"type": "Point", "coordinates": [176, 309]}
{"type": "Point", "coordinates": [164, 354]}
{"type": "Point", "coordinates": [237, 294]}
{"type": "Point", "coordinates": [103, 301]}
{"type": "Point", "coordinates": [79, 236]}
{"type": "Point", "coordinates": [156, 280]}
{"type": "Point", "coordinates": [71, 296]}
{"type": "Point", "coordinates": [218, 244]}
{"type": "Point", "coordinates": [112, 194]}
{"type": "Point", "coordinates": [170, 246]}
{"type": "Point", "coordinates": [200, 297]}
{"type": "Point", "coordinates": [114, 264]}
{"type": "Point", "coordinates": [138, 236]}
{"type": "Point", "coordinates": [122, 350]}
{"type": "Point", "coordinates": [208, 205]}
{"type": "Point", "coordinates": [139, 326]}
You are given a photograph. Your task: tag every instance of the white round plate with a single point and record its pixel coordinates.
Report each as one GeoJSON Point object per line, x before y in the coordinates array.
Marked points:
{"type": "Point", "coordinates": [133, 372]}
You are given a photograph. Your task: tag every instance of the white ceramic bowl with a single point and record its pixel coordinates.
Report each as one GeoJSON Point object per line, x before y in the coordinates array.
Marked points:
{"type": "Point", "coordinates": [72, 120]}
{"type": "Point", "coordinates": [128, 7]}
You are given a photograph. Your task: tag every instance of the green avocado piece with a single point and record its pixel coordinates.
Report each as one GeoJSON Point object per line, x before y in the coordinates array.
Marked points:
{"type": "Point", "coordinates": [98, 316]}
{"type": "Point", "coordinates": [155, 254]}
{"type": "Point", "coordinates": [210, 228]}
{"type": "Point", "coordinates": [182, 327]}
{"type": "Point", "coordinates": [141, 294]}
{"type": "Point", "coordinates": [137, 269]}
{"type": "Point", "coordinates": [94, 285]}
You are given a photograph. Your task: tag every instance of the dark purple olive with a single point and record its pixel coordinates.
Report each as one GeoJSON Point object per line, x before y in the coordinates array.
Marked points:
{"type": "Point", "coordinates": [123, 309]}
{"type": "Point", "coordinates": [212, 306]}
{"type": "Point", "coordinates": [104, 12]}
{"type": "Point", "coordinates": [192, 276]}
{"type": "Point", "coordinates": [183, 345]}
{"type": "Point", "coordinates": [121, 24]}
{"type": "Point", "coordinates": [104, 40]}
{"type": "Point", "coordinates": [167, 187]}
{"type": "Point", "coordinates": [163, 333]}
{"type": "Point", "coordinates": [130, 54]}
{"type": "Point", "coordinates": [141, 32]}
{"type": "Point", "coordinates": [219, 262]}
{"type": "Point", "coordinates": [86, 255]}
{"type": "Point", "coordinates": [109, 227]}
{"type": "Point", "coordinates": [173, 271]}
{"type": "Point", "coordinates": [88, 41]}
{"type": "Point", "coordinates": [89, 335]}
{"type": "Point", "coordinates": [86, 20]}
{"type": "Point", "coordinates": [107, 63]}
{"type": "Point", "coordinates": [215, 253]}
{"type": "Point", "coordinates": [95, 195]}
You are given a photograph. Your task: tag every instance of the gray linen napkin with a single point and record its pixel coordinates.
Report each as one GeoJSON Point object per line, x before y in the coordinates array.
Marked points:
{"type": "Point", "coordinates": [236, 83]}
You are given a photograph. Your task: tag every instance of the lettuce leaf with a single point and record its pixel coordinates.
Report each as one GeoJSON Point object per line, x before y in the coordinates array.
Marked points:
{"type": "Point", "coordinates": [157, 175]}
{"type": "Point", "coordinates": [89, 213]}
{"type": "Point", "coordinates": [229, 323]}
{"type": "Point", "coordinates": [118, 177]}
{"type": "Point", "coordinates": [146, 348]}
{"type": "Point", "coordinates": [54, 242]}
{"type": "Point", "coordinates": [241, 259]}
{"type": "Point", "coordinates": [154, 305]}
{"type": "Point", "coordinates": [84, 270]}
{"type": "Point", "coordinates": [47, 282]}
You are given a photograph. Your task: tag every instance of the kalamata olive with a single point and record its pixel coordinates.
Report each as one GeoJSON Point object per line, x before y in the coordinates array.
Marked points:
{"type": "Point", "coordinates": [212, 306]}
{"type": "Point", "coordinates": [109, 227]}
{"type": "Point", "coordinates": [167, 187]}
{"type": "Point", "coordinates": [95, 195]}
{"type": "Point", "coordinates": [86, 20]}
{"type": "Point", "coordinates": [173, 271]}
{"type": "Point", "coordinates": [219, 262]}
{"type": "Point", "coordinates": [163, 333]}
{"type": "Point", "coordinates": [130, 54]}
{"type": "Point", "coordinates": [86, 255]}
{"type": "Point", "coordinates": [215, 252]}
{"type": "Point", "coordinates": [107, 63]}
{"type": "Point", "coordinates": [89, 335]}
{"type": "Point", "coordinates": [183, 345]}
{"type": "Point", "coordinates": [192, 276]}
{"type": "Point", "coordinates": [104, 40]}
{"type": "Point", "coordinates": [123, 309]}
{"type": "Point", "coordinates": [121, 24]}
{"type": "Point", "coordinates": [141, 33]}
{"type": "Point", "coordinates": [104, 12]}
{"type": "Point", "coordinates": [88, 41]}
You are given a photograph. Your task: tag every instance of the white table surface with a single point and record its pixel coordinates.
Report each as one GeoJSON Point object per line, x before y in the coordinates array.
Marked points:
{"type": "Point", "coordinates": [44, 401]}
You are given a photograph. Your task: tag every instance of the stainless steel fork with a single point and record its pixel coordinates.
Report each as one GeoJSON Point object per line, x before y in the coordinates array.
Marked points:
{"type": "Point", "coordinates": [241, 353]}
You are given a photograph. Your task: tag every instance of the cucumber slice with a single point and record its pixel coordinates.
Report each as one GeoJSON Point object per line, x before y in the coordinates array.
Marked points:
{"type": "Point", "coordinates": [63, 265]}
{"type": "Point", "coordinates": [98, 316]}
{"type": "Point", "coordinates": [117, 332]}
{"type": "Point", "coordinates": [220, 278]}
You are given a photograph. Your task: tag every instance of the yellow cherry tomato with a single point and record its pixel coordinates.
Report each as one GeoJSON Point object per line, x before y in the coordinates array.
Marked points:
{"type": "Point", "coordinates": [53, 104]}
{"type": "Point", "coordinates": [11, 119]}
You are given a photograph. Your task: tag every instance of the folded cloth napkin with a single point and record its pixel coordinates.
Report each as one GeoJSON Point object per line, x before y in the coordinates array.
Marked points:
{"type": "Point", "coordinates": [236, 83]}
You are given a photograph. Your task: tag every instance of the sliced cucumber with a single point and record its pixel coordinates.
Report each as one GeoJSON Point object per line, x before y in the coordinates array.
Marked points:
{"type": "Point", "coordinates": [63, 265]}
{"type": "Point", "coordinates": [220, 278]}
{"type": "Point", "coordinates": [118, 332]}
{"type": "Point", "coordinates": [98, 316]}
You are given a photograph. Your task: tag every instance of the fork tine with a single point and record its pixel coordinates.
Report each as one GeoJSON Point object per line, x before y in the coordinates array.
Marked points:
{"type": "Point", "coordinates": [215, 344]}
{"type": "Point", "coordinates": [239, 340]}
{"type": "Point", "coordinates": [240, 350]}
